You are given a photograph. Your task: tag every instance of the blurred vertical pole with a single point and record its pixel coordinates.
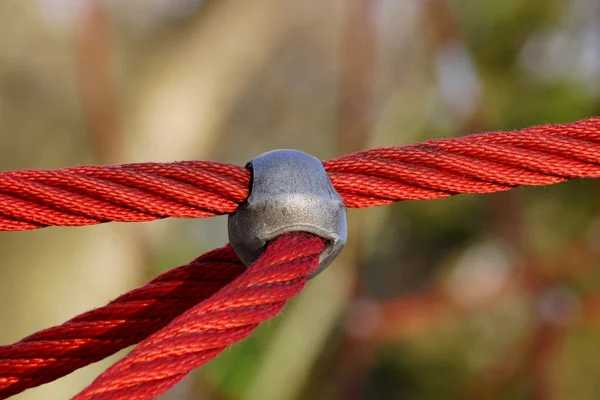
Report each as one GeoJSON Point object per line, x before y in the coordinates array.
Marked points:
{"type": "Point", "coordinates": [546, 342]}
{"type": "Point", "coordinates": [357, 73]}
{"type": "Point", "coordinates": [97, 81]}
{"type": "Point", "coordinates": [100, 99]}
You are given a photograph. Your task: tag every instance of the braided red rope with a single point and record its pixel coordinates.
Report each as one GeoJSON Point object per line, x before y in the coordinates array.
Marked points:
{"type": "Point", "coordinates": [202, 332]}
{"type": "Point", "coordinates": [125, 193]}
{"type": "Point", "coordinates": [49, 354]}
{"type": "Point", "coordinates": [482, 163]}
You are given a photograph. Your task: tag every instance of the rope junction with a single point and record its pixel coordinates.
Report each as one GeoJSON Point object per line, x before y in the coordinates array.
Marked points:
{"type": "Point", "coordinates": [187, 315]}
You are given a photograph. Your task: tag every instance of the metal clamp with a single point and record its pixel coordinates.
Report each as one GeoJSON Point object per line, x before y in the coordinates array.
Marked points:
{"type": "Point", "coordinates": [290, 192]}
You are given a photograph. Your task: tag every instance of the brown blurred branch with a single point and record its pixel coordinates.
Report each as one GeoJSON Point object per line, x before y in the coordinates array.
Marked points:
{"type": "Point", "coordinates": [96, 81]}
{"type": "Point", "coordinates": [357, 75]}
{"type": "Point", "coordinates": [546, 344]}
{"type": "Point", "coordinates": [440, 27]}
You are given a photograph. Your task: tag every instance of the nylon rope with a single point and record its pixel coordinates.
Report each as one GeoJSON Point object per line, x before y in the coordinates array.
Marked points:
{"type": "Point", "coordinates": [52, 353]}
{"type": "Point", "coordinates": [481, 163]}
{"type": "Point", "coordinates": [215, 298]}
{"type": "Point", "coordinates": [202, 332]}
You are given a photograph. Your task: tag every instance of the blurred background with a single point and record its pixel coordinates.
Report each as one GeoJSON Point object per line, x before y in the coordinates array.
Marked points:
{"type": "Point", "coordinates": [470, 297]}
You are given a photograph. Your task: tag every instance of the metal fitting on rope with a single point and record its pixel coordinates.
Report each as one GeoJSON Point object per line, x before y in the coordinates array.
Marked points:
{"type": "Point", "coordinates": [290, 192]}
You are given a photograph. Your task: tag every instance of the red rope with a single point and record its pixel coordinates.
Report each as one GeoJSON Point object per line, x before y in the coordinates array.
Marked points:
{"type": "Point", "coordinates": [52, 353]}
{"type": "Point", "coordinates": [125, 193]}
{"type": "Point", "coordinates": [202, 332]}
{"type": "Point", "coordinates": [216, 311]}
{"type": "Point", "coordinates": [482, 163]}
{"type": "Point", "coordinates": [94, 335]}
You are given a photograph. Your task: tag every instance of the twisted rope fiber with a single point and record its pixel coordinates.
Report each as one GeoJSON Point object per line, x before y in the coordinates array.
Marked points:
{"type": "Point", "coordinates": [92, 336]}
{"type": "Point", "coordinates": [202, 332]}
{"type": "Point", "coordinates": [78, 196]}
{"type": "Point", "coordinates": [52, 353]}
{"type": "Point", "coordinates": [482, 163]}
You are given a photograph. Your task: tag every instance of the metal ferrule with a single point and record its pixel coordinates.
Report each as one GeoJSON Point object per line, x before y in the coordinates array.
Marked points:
{"type": "Point", "coordinates": [290, 192]}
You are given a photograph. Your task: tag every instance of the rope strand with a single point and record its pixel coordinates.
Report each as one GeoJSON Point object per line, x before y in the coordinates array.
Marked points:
{"type": "Point", "coordinates": [202, 332]}
{"type": "Point", "coordinates": [188, 315]}
{"type": "Point", "coordinates": [481, 163]}
{"type": "Point", "coordinates": [52, 353]}
{"type": "Point", "coordinates": [124, 193]}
